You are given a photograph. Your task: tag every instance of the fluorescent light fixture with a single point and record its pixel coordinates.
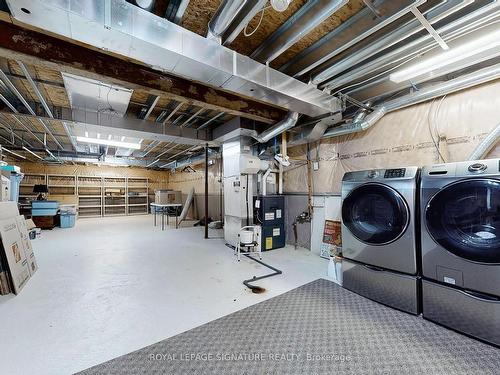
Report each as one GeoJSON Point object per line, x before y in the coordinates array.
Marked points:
{"type": "Point", "coordinates": [13, 153]}
{"type": "Point", "coordinates": [87, 134]}
{"type": "Point", "coordinates": [107, 142]}
{"type": "Point", "coordinates": [31, 152]}
{"type": "Point", "coordinates": [450, 57]}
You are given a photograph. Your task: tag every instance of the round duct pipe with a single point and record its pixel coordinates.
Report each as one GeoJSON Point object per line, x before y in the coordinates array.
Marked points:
{"type": "Point", "coordinates": [143, 4]}
{"type": "Point", "coordinates": [486, 145]}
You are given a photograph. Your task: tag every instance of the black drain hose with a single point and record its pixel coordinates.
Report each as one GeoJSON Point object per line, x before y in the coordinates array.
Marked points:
{"type": "Point", "coordinates": [255, 288]}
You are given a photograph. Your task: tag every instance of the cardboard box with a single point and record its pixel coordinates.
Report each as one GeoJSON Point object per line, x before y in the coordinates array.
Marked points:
{"type": "Point", "coordinates": [14, 253]}
{"type": "Point", "coordinates": [168, 196]}
{"type": "Point", "coordinates": [25, 240]}
{"type": "Point", "coordinates": [8, 210]}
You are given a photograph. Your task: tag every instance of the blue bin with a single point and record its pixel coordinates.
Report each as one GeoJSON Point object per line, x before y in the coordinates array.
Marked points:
{"type": "Point", "coordinates": [44, 212]}
{"type": "Point", "coordinates": [68, 220]}
{"type": "Point", "coordinates": [45, 204]}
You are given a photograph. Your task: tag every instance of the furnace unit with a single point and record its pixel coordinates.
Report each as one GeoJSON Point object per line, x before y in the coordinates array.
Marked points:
{"type": "Point", "coordinates": [269, 212]}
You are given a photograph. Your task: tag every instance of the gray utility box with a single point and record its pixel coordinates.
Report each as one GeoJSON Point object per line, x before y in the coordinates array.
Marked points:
{"type": "Point", "coordinates": [269, 212]}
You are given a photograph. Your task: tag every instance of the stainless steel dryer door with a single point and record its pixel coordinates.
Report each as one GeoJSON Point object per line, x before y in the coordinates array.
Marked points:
{"type": "Point", "coordinates": [375, 214]}
{"type": "Point", "coordinates": [376, 228]}
{"type": "Point", "coordinates": [462, 239]}
{"type": "Point", "coordinates": [464, 218]}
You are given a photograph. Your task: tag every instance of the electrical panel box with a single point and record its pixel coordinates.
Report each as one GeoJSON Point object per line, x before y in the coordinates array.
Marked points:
{"type": "Point", "coordinates": [269, 212]}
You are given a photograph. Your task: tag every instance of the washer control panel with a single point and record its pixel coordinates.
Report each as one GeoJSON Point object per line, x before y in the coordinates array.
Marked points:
{"type": "Point", "coordinates": [395, 173]}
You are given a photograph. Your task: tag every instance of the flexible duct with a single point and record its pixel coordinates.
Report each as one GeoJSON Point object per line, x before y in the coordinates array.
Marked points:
{"type": "Point", "coordinates": [287, 123]}
{"type": "Point", "coordinates": [469, 80]}
{"type": "Point", "coordinates": [486, 145]}
{"type": "Point", "coordinates": [358, 126]}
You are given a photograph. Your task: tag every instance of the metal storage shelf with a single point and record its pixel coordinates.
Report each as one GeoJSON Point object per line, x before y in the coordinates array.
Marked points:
{"type": "Point", "coordinates": [32, 179]}
{"type": "Point", "coordinates": [59, 184]}
{"type": "Point", "coordinates": [90, 190]}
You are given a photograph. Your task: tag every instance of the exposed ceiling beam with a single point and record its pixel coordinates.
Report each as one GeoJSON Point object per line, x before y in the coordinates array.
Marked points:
{"type": "Point", "coordinates": [310, 15]}
{"type": "Point", "coordinates": [347, 34]}
{"type": "Point", "coordinates": [44, 102]}
{"type": "Point", "coordinates": [208, 122]}
{"type": "Point", "coordinates": [16, 92]}
{"type": "Point", "coordinates": [31, 47]}
{"type": "Point", "coordinates": [148, 107]}
{"type": "Point", "coordinates": [35, 89]}
{"type": "Point", "coordinates": [186, 123]}
{"type": "Point", "coordinates": [123, 126]}
{"type": "Point", "coordinates": [14, 134]}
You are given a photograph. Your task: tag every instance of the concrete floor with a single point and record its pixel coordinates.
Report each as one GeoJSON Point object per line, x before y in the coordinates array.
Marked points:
{"type": "Point", "coordinates": [110, 286]}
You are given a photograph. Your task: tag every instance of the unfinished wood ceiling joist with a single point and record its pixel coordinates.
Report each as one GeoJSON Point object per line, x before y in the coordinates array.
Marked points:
{"type": "Point", "coordinates": [38, 49]}
{"type": "Point", "coordinates": [199, 13]}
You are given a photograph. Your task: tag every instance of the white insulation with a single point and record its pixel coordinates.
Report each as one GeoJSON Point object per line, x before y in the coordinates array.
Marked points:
{"type": "Point", "coordinates": [457, 122]}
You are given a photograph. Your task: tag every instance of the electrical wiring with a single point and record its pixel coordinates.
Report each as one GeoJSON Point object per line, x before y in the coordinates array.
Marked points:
{"type": "Point", "coordinates": [246, 33]}
{"type": "Point", "coordinates": [436, 123]}
{"type": "Point", "coordinates": [430, 123]}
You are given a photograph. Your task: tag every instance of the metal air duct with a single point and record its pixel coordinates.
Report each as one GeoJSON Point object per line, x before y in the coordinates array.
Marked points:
{"type": "Point", "coordinates": [231, 18]}
{"type": "Point", "coordinates": [225, 14]}
{"type": "Point", "coordinates": [296, 27]}
{"type": "Point", "coordinates": [135, 34]}
{"type": "Point", "coordinates": [287, 123]}
{"type": "Point", "coordinates": [425, 94]}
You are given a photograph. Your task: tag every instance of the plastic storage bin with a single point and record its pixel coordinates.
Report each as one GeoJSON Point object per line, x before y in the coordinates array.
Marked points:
{"type": "Point", "coordinates": [45, 204]}
{"type": "Point", "coordinates": [67, 220]}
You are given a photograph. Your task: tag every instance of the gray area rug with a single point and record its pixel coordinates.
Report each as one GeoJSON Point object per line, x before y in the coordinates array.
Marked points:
{"type": "Point", "coordinates": [318, 328]}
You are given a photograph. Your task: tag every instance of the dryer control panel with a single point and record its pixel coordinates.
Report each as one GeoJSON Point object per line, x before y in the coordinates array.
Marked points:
{"type": "Point", "coordinates": [395, 173]}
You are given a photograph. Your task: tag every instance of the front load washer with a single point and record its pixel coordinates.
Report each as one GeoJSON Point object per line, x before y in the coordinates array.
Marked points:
{"type": "Point", "coordinates": [460, 208]}
{"type": "Point", "coordinates": [379, 240]}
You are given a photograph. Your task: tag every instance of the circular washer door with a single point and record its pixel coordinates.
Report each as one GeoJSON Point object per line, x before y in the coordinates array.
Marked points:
{"type": "Point", "coordinates": [375, 214]}
{"type": "Point", "coordinates": [464, 218]}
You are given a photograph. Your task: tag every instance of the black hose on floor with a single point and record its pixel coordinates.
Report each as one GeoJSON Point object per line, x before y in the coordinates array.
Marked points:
{"type": "Point", "coordinates": [255, 288]}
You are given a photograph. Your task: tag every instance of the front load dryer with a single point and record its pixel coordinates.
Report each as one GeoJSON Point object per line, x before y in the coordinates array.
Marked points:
{"type": "Point", "coordinates": [379, 241]}
{"type": "Point", "coordinates": [460, 208]}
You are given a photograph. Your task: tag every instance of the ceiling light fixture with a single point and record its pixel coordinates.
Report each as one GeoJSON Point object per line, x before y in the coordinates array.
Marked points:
{"type": "Point", "coordinates": [449, 57]}
{"type": "Point", "coordinates": [13, 153]}
{"type": "Point", "coordinates": [107, 142]}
